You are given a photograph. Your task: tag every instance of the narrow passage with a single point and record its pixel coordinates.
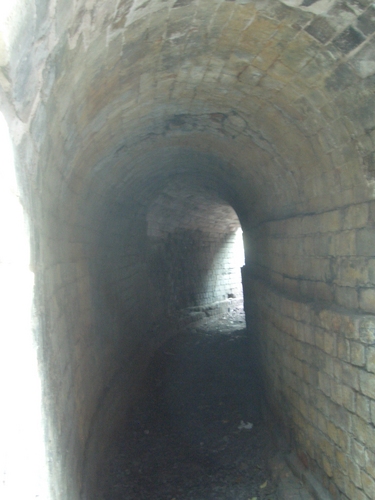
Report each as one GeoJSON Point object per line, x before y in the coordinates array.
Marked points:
{"type": "Point", "coordinates": [185, 439]}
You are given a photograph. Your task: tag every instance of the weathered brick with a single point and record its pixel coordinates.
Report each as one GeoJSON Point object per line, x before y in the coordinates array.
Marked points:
{"type": "Point", "coordinates": [353, 470]}
{"type": "Point", "coordinates": [367, 384]}
{"type": "Point", "coordinates": [365, 242]}
{"type": "Point", "coordinates": [321, 422]}
{"type": "Point", "coordinates": [366, 328]}
{"type": "Point", "coordinates": [330, 343]}
{"type": "Point", "coordinates": [357, 451]}
{"type": "Point", "coordinates": [339, 416]}
{"type": "Point", "coordinates": [325, 383]}
{"type": "Point", "coordinates": [368, 484]}
{"type": "Point", "coordinates": [356, 216]}
{"type": "Point", "coordinates": [370, 463]}
{"type": "Point", "coordinates": [344, 243]}
{"type": "Point", "coordinates": [372, 411]}
{"type": "Point", "coordinates": [347, 296]}
{"type": "Point", "coordinates": [341, 459]}
{"type": "Point", "coordinates": [371, 271]}
{"type": "Point", "coordinates": [367, 299]}
{"type": "Point", "coordinates": [330, 320]}
{"type": "Point", "coordinates": [356, 493]}
{"type": "Point", "coordinates": [327, 466]}
{"type": "Point", "coordinates": [362, 407]}
{"type": "Point", "coordinates": [348, 398]}
{"type": "Point", "coordinates": [343, 440]}
{"type": "Point", "coordinates": [343, 349]}
{"type": "Point", "coordinates": [370, 359]}
{"type": "Point", "coordinates": [357, 354]}
{"type": "Point", "coordinates": [350, 376]}
{"type": "Point", "coordinates": [336, 392]}
{"type": "Point", "coordinates": [326, 446]}
{"type": "Point", "coordinates": [351, 272]}
{"type": "Point", "coordinates": [341, 479]}
{"type": "Point", "coordinates": [319, 338]}
{"type": "Point", "coordinates": [364, 432]}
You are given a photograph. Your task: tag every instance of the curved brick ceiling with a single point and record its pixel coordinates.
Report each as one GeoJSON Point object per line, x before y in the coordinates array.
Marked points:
{"type": "Point", "coordinates": [281, 92]}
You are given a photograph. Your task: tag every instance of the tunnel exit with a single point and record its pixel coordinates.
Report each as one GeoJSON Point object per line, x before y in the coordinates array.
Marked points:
{"type": "Point", "coordinates": [196, 246]}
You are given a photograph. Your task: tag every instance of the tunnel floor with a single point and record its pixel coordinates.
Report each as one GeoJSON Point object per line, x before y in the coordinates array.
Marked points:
{"type": "Point", "coordinates": [189, 435]}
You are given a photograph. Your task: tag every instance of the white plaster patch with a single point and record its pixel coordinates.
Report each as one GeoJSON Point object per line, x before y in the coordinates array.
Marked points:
{"type": "Point", "coordinates": [320, 7]}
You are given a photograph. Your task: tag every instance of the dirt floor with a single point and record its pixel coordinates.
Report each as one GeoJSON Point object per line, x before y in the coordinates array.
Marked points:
{"type": "Point", "coordinates": [198, 432]}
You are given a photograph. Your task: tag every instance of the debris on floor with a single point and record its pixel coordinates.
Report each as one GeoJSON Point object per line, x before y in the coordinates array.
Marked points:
{"type": "Point", "coordinates": [244, 425]}
{"type": "Point", "coordinates": [183, 441]}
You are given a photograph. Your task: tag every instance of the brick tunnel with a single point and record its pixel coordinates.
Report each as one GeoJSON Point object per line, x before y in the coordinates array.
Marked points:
{"type": "Point", "coordinates": [145, 133]}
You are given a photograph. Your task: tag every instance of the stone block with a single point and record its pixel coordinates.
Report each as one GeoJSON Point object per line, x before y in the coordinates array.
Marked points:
{"type": "Point", "coordinates": [350, 376]}
{"type": "Point", "coordinates": [327, 466]}
{"type": "Point", "coordinates": [342, 460]}
{"type": "Point", "coordinates": [355, 492]}
{"type": "Point", "coordinates": [360, 429]}
{"type": "Point", "coordinates": [321, 421]}
{"type": "Point", "coordinates": [346, 297]}
{"type": "Point", "coordinates": [336, 392]}
{"type": "Point", "coordinates": [364, 64]}
{"type": "Point", "coordinates": [343, 349]}
{"type": "Point", "coordinates": [344, 243]}
{"type": "Point", "coordinates": [341, 78]}
{"type": "Point", "coordinates": [326, 446]}
{"type": "Point", "coordinates": [357, 354]}
{"type": "Point", "coordinates": [366, 21]}
{"type": "Point", "coordinates": [324, 383]}
{"type": "Point", "coordinates": [366, 329]}
{"type": "Point", "coordinates": [348, 398]}
{"type": "Point", "coordinates": [368, 484]}
{"type": "Point", "coordinates": [356, 216]}
{"type": "Point", "coordinates": [353, 471]}
{"type": "Point", "coordinates": [341, 480]}
{"type": "Point", "coordinates": [342, 440]}
{"type": "Point", "coordinates": [365, 242]}
{"type": "Point", "coordinates": [337, 369]}
{"type": "Point", "coordinates": [330, 344]}
{"type": "Point", "coordinates": [370, 359]}
{"type": "Point", "coordinates": [330, 221]}
{"type": "Point", "coordinates": [319, 338]}
{"type": "Point", "coordinates": [339, 416]}
{"type": "Point", "coordinates": [321, 29]}
{"type": "Point", "coordinates": [329, 320]}
{"type": "Point", "coordinates": [348, 40]}
{"type": "Point", "coordinates": [371, 271]}
{"type": "Point", "coordinates": [367, 299]}
{"type": "Point", "coordinates": [362, 407]}
{"type": "Point", "coordinates": [280, 72]}
{"type": "Point", "coordinates": [299, 52]}
{"type": "Point", "coordinates": [357, 452]}
{"type": "Point", "coordinates": [367, 384]}
{"type": "Point", "coordinates": [351, 272]}
{"type": "Point", "coordinates": [370, 463]}
{"type": "Point", "coordinates": [266, 57]}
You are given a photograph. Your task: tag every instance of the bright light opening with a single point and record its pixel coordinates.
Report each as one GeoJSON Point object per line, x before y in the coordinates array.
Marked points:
{"type": "Point", "coordinates": [22, 451]}
{"type": "Point", "coordinates": [238, 250]}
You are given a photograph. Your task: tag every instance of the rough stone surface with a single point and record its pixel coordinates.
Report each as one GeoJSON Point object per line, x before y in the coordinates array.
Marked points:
{"type": "Point", "coordinates": [142, 130]}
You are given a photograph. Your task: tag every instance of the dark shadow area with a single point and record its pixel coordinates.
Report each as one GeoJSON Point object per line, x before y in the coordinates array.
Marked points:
{"type": "Point", "coordinates": [189, 434]}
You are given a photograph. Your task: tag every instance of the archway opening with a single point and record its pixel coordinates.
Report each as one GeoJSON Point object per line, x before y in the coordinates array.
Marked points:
{"type": "Point", "coordinates": [197, 251]}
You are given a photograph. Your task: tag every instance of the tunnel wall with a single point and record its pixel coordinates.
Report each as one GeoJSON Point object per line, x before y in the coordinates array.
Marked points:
{"type": "Point", "coordinates": [102, 317]}
{"type": "Point", "coordinates": [313, 288]}
{"type": "Point", "coordinates": [283, 92]}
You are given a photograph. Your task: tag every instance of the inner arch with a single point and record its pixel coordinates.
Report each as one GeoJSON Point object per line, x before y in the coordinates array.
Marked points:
{"type": "Point", "coordinates": [121, 111]}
